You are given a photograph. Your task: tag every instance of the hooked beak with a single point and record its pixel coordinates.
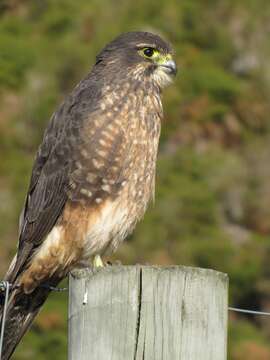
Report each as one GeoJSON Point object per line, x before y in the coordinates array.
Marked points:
{"type": "Point", "coordinates": [169, 67]}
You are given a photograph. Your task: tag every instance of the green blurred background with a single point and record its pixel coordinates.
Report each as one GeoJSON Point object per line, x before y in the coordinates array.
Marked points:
{"type": "Point", "coordinates": [212, 205]}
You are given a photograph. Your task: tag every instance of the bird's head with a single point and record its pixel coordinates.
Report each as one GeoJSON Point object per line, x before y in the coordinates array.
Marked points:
{"type": "Point", "coordinates": [139, 55]}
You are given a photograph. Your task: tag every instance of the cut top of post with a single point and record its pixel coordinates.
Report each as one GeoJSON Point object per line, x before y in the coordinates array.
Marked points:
{"type": "Point", "coordinates": [148, 312]}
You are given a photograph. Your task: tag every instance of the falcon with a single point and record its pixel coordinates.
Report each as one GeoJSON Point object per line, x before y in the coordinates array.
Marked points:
{"type": "Point", "coordinates": [93, 175]}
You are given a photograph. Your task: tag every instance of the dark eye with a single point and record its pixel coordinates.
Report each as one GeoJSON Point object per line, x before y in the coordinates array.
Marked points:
{"type": "Point", "coordinates": [149, 52]}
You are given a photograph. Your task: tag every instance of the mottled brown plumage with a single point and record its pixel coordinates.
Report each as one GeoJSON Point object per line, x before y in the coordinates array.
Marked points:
{"type": "Point", "coordinates": [94, 172]}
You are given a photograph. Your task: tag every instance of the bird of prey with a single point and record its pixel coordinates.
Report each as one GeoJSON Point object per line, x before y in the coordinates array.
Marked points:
{"type": "Point", "coordinates": [93, 175]}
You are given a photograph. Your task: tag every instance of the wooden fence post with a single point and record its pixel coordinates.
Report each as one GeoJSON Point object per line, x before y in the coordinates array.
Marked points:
{"type": "Point", "coordinates": [148, 313]}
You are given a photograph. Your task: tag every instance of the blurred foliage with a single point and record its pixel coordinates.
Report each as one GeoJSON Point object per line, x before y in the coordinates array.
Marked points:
{"type": "Point", "coordinates": [213, 190]}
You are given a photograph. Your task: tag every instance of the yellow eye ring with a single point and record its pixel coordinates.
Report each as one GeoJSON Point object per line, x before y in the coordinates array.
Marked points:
{"type": "Point", "coordinates": [148, 52]}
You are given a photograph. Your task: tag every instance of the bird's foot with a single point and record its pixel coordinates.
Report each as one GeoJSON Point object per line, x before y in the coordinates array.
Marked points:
{"type": "Point", "coordinates": [97, 262]}
{"type": "Point", "coordinates": [115, 263]}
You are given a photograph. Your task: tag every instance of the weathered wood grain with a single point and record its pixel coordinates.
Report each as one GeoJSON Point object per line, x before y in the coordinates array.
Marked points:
{"type": "Point", "coordinates": [148, 313]}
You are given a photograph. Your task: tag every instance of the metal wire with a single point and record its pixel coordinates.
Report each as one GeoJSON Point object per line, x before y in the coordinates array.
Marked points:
{"type": "Point", "coordinates": [53, 288]}
{"type": "Point", "coordinates": [4, 285]}
{"type": "Point", "coordinates": [246, 311]}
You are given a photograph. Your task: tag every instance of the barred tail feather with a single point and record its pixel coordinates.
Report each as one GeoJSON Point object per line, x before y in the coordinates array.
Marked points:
{"type": "Point", "coordinates": [21, 311]}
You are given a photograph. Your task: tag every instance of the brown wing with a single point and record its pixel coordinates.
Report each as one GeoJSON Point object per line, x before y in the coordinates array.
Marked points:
{"type": "Point", "coordinates": [47, 193]}
{"type": "Point", "coordinates": [44, 201]}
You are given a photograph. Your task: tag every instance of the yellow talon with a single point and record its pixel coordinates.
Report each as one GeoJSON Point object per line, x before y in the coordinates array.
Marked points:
{"type": "Point", "coordinates": [97, 262]}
